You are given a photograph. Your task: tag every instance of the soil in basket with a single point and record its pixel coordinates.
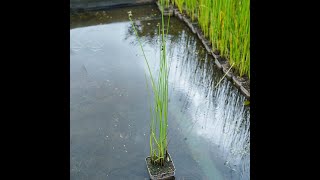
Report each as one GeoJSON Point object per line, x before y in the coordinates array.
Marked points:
{"type": "Point", "coordinates": [157, 169]}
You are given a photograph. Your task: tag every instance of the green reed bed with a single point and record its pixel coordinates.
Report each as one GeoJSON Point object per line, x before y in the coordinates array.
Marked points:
{"type": "Point", "coordinates": [204, 16]}
{"type": "Point", "coordinates": [191, 8]}
{"type": "Point", "coordinates": [179, 4]}
{"type": "Point", "coordinates": [226, 23]}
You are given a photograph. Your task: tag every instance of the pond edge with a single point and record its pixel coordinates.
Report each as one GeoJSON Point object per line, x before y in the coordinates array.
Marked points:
{"type": "Point", "coordinates": [242, 83]}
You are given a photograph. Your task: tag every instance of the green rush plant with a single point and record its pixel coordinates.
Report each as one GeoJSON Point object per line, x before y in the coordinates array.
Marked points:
{"type": "Point", "coordinates": [191, 8]}
{"type": "Point", "coordinates": [159, 108]}
{"type": "Point", "coordinates": [226, 23]}
{"type": "Point", "coordinates": [179, 4]}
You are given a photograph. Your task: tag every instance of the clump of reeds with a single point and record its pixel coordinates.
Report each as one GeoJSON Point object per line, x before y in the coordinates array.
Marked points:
{"type": "Point", "coordinates": [191, 8]}
{"type": "Point", "coordinates": [179, 4]}
{"type": "Point", "coordinates": [159, 107]}
{"type": "Point", "coordinates": [230, 31]}
{"type": "Point", "coordinates": [227, 25]}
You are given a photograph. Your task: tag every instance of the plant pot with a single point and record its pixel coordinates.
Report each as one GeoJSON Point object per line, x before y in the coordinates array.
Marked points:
{"type": "Point", "coordinates": [157, 172]}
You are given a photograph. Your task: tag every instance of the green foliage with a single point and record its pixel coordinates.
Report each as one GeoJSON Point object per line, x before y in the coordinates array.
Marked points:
{"type": "Point", "coordinates": [227, 25]}
{"type": "Point", "coordinates": [159, 107]}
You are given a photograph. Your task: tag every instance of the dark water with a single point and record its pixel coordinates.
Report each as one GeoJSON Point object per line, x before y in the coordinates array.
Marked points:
{"type": "Point", "coordinates": [209, 128]}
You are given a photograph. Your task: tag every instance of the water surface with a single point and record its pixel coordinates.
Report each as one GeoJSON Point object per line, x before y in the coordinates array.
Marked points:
{"type": "Point", "coordinates": [209, 128]}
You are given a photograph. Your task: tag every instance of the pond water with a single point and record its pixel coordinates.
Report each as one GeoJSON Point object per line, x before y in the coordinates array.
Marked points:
{"type": "Point", "coordinates": [209, 128]}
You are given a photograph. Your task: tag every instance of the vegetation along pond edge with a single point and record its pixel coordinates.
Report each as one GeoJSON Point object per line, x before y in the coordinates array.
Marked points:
{"type": "Point", "coordinates": [242, 83]}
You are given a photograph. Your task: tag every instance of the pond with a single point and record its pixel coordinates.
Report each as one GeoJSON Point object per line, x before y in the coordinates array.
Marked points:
{"type": "Point", "coordinates": [209, 127]}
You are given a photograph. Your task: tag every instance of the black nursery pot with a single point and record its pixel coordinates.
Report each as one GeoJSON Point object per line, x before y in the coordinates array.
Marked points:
{"type": "Point", "coordinates": [157, 172]}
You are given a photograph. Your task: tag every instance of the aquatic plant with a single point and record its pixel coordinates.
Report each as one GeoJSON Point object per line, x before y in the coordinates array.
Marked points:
{"type": "Point", "coordinates": [191, 8]}
{"type": "Point", "coordinates": [179, 4]}
{"type": "Point", "coordinates": [159, 108]}
{"type": "Point", "coordinates": [230, 31]}
{"type": "Point", "coordinates": [226, 23]}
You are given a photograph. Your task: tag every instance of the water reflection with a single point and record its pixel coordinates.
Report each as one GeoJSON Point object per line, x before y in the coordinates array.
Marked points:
{"type": "Point", "coordinates": [216, 114]}
{"type": "Point", "coordinates": [209, 128]}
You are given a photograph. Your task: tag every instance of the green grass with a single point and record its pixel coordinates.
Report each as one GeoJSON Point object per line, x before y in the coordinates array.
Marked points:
{"type": "Point", "coordinates": [226, 23]}
{"type": "Point", "coordinates": [191, 8]}
{"type": "Point", "coordinates": [159, 108]}
{"type": "Point", "coordinates": [179, 4]}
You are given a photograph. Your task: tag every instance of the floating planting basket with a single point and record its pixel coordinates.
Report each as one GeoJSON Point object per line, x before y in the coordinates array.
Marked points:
{"type": "Point", "coordinates": [157, 172]}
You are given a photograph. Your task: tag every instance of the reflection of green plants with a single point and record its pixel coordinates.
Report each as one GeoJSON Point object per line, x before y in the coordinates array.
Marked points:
{"type": "Point", "coordinates": [159, 109]}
